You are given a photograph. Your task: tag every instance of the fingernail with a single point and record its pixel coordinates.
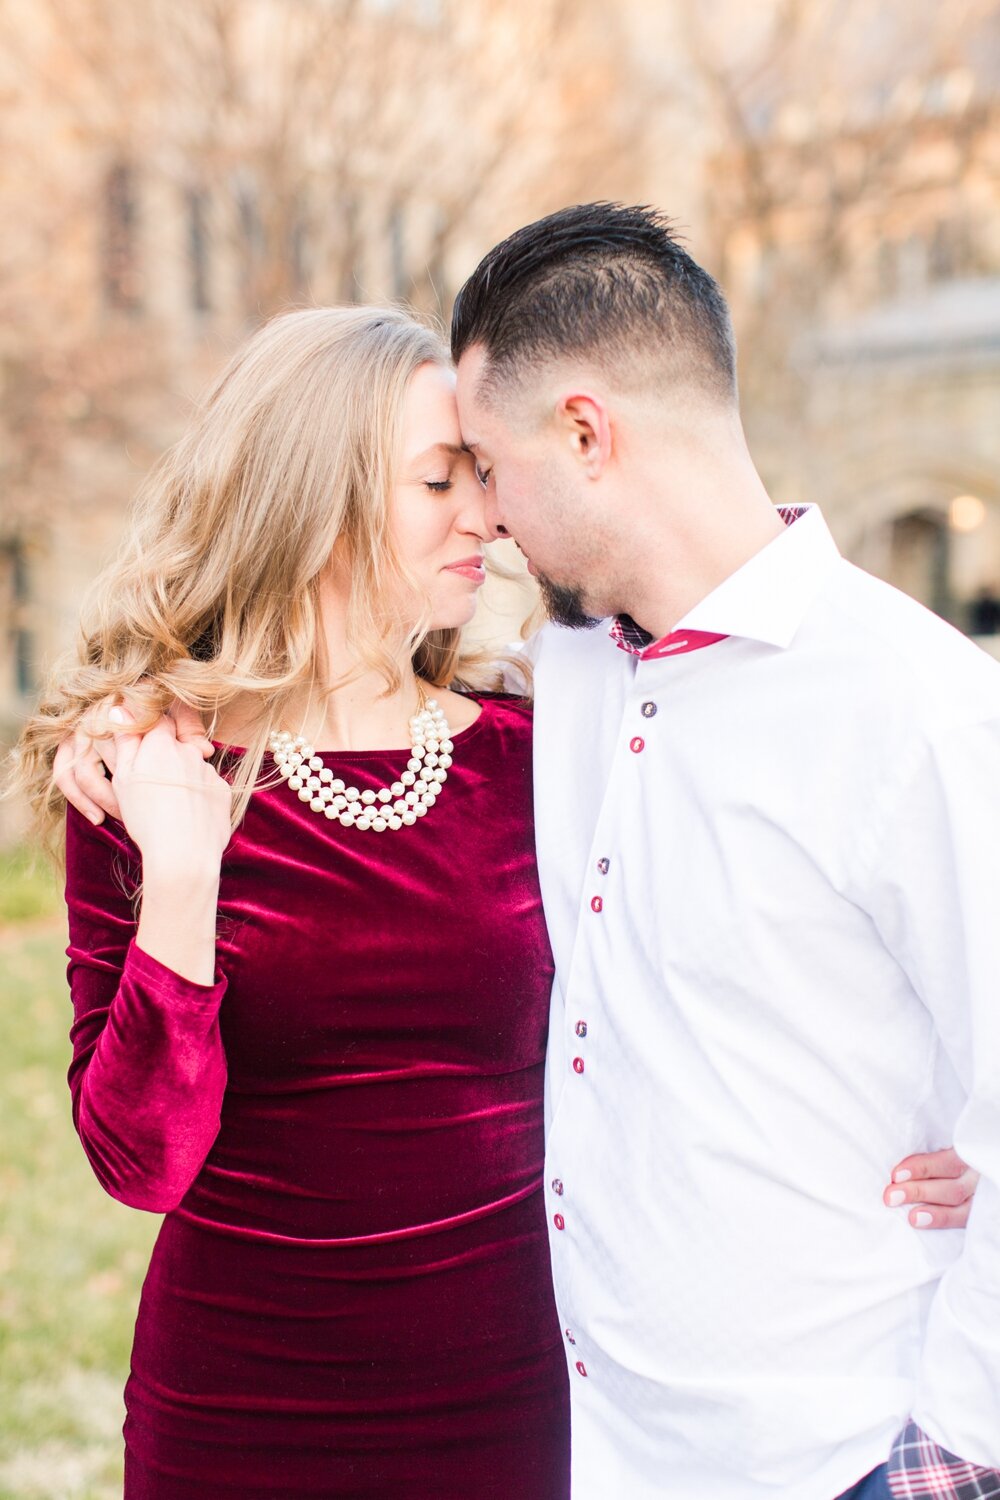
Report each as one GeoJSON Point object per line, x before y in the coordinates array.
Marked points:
{"type": "Point", "coordinates": [96, 818]}
{"type": "Point", "coordinates": [116, 715]}
{"type": "Point", "coordinates": [921, 1220]}
{"type": "Point", "coordinates": [903, 1175]}
{"type": "Point", "coordinates": [895, 1199]}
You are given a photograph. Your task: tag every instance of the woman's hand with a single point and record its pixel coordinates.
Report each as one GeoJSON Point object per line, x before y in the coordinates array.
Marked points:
{"type": "Point", "coordinates": [938, 1184]}
{"type": "Point", "coordinates": [176, 809]}
{"type": "Point", "coordinates": [175, 806]}
{"type": "Point", "coordinates": [79, 771]}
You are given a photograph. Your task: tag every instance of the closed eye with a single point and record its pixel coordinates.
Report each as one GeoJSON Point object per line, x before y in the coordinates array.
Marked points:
{"type": "Point", "coordinates": [438, 485]}
{"type": "Point", "coordinates": [483, 475]}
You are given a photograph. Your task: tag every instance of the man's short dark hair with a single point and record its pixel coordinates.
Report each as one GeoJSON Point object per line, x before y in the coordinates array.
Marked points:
{"type": "Point", "coordinates": [606, 282]}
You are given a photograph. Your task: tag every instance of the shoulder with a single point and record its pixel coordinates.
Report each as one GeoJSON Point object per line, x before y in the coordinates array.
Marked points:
{"type": "Point", "coordinates": [506, 709]}
{"type": "Point", "coordinates": [915, 664]}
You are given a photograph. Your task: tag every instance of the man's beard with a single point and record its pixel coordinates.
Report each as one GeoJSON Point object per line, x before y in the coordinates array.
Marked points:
{"type": "Point", "coordinates": [564, 605]}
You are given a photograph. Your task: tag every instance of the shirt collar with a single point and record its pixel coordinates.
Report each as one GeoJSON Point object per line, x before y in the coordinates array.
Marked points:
{"type": "Point", "coordinates": [764, 600]}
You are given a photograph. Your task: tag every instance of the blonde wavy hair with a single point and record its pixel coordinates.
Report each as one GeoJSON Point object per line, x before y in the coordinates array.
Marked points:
{"type": "Point", "coordinates": [216, 591]}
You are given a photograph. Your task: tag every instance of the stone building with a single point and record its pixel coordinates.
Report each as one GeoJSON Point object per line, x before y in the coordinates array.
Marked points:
{"type": "Point", "coordinates": [859, 238]}
{"type": "Point", "coordinates": [175, 171]}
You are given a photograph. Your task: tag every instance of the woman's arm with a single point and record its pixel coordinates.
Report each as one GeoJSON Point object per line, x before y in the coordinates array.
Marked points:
{"type": "Point", "coordinates": [148, 1070]}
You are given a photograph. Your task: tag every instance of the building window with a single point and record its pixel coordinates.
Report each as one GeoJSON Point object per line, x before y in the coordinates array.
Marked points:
{"type": "Point", "coordinates": [122, 276]}
{"type": "Point", "coordinates": [15, 597]}
{"type": "Point", "coordinates": [198, 249]}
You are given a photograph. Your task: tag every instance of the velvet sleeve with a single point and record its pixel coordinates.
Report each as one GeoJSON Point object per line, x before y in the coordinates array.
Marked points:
{"type": "Point", "coordinates": [148, 1070]}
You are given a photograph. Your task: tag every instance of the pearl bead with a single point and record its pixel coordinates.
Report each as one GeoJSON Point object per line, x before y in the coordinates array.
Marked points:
{"type": "Point", "coordinates": [395, 806]}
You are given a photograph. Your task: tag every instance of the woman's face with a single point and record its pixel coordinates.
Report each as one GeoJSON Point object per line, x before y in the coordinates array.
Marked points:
{"type": "Point", "coordinates": [438, 518]}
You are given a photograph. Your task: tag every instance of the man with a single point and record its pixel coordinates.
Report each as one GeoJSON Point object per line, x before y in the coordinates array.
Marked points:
{"type": "Point", "coordinates": [769, 842]}
{"type": "Point", "coordinates": [754, 879]}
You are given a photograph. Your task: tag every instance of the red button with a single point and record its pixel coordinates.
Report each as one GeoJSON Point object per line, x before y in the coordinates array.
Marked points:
{"type": "Point", "coordinates": [559, 1221]}
{"type": "Point", "coordinates": [637, 744]}
{"type": "Point", "coordinates": [578, 1065]}
{"type": "Point", "coordinates": [581, 1367]}
{"type": "Point", "coordinates": [597, 904]}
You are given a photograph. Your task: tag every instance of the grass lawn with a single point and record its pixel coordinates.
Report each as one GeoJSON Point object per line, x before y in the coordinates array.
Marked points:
{"type": "Point", "coordinates": [71, 1259]}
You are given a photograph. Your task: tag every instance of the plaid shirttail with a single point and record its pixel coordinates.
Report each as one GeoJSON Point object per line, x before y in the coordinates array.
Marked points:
{"type": "Point", "coordinates": [920, 1470]}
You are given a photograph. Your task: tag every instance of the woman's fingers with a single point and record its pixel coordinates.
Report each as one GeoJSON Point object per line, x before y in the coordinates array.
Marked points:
{"type": "Point", "coordinates": [78, 772]}
{"type": "Point", "coordinates": [924, 1164]}
{"type": "Point", "coordinates": [937, 1185]}
{"type": "Point", "coordinates": [190, 730]}
{"type": "Point", "coordinates": [940, 1218]}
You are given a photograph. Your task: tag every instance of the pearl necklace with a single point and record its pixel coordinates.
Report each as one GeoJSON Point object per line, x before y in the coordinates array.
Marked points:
{"type": "Point", "coordinates": [395, 806]}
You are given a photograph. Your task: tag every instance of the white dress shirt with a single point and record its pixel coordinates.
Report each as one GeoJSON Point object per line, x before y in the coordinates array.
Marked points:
{"type": "Point", "coordinates": [771, 874]}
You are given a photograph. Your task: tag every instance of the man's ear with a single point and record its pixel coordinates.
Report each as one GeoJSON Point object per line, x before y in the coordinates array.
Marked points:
{"type": "Point", "coordinates": [586, 424]}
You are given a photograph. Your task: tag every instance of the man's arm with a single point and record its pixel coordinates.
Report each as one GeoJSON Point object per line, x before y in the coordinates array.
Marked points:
{"type": "Point", "coordinates": [932, 888]}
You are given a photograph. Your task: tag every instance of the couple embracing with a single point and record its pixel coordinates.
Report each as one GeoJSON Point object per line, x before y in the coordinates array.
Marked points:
{"type": "Point", "coordinates": [520, 1072]}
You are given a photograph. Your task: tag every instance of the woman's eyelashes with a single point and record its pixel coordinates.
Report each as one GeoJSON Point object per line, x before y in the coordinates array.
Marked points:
{"type": "Point", "coordinates": [438, 485]}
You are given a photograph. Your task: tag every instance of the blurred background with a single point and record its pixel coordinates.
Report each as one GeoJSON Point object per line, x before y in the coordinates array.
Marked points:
{"type": "Point", "coordinates": [174, 171]}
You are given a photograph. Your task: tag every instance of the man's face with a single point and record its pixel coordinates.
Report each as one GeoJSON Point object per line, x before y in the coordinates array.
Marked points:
{"type": "Point", "coordinates": [533, 496]}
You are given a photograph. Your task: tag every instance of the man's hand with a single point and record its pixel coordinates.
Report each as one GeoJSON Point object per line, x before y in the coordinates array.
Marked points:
{"type": "Point", "coordinates": [79, 769]}
{"type": "Point", "coordinates": [938, 1184]}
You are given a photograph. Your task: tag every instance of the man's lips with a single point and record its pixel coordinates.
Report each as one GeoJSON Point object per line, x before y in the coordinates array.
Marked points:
{"type": "Point", "coordinates": [530, 565]}
{"type": "Point", "coordinates": [472, 568]}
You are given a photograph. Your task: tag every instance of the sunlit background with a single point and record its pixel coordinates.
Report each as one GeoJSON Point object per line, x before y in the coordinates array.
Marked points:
{"type": "Point", "coordinates": [174, 171]}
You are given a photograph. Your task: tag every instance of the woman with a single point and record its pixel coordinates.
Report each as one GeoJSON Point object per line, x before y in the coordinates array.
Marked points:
{"type": "Point", "coordinates": [320, 1050]}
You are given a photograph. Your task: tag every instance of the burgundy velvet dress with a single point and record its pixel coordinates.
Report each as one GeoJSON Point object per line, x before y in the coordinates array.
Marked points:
{"type": "Point", "coordinates": [350, 1294]}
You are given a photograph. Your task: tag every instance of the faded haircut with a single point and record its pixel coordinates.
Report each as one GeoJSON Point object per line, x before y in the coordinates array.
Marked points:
{"type": "Point", "coordinates": [605, 282]}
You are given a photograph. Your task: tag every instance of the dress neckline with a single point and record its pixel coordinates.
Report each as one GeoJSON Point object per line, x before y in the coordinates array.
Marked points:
{"type": "Point", "coordinates": [459, 736]}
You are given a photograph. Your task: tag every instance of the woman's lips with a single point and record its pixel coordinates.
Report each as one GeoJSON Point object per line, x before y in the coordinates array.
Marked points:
{"type": "Point", "coordinates": [469, 568]}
